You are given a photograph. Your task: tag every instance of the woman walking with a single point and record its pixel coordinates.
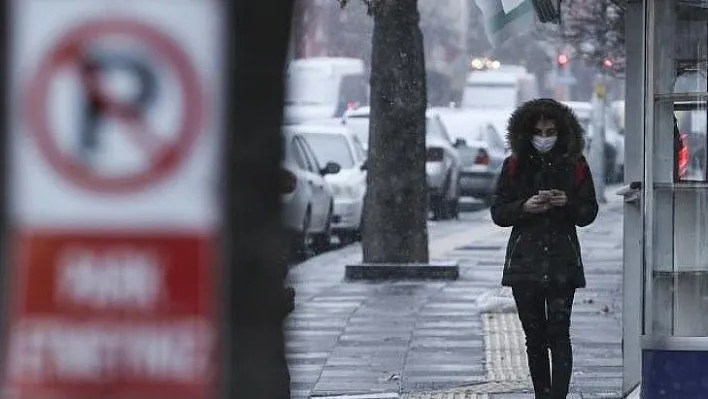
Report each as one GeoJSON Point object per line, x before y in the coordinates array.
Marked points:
{"type": "Point", "coordinates": [544, 191]}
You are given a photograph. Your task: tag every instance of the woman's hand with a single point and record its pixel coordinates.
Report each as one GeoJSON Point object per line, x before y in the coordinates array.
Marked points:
{"type": "Point", "coordinates": [536, 204]}
{"type": "Point", "coordinates": [559, 198]}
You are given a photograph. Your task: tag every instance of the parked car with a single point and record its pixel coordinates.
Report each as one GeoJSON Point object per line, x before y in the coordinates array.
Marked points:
{"type": "Point", "coordinates": [481, 147]}
{"type": "Point", "coordinates": [442, 164]}
{"type": "Point", "coordinates": [336, 143]}
{"type": "Point", "coordinates": [357, 121]}
{"type": "Point", "coordinates": [308, 202]}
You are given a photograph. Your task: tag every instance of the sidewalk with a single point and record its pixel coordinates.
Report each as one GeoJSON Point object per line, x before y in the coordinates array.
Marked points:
{"type": "Point", "coordinates": [416, 339]}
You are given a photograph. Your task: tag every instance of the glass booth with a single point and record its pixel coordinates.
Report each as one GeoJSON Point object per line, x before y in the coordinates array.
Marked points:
{"type": "Point", "coordinates": [674, 206]}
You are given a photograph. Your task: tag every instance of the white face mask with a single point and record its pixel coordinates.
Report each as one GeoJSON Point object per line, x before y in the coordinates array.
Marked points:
{"type": "Point", "coordinates": [544, 144]}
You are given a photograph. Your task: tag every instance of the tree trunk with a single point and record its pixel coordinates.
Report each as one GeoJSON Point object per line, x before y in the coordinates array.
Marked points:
{"type": "Point", "coordinates": [255, 300]}
{"type": "Point", "coordinates": [395, 221]}
{"type": "Point", "coordinates": [298, 27]}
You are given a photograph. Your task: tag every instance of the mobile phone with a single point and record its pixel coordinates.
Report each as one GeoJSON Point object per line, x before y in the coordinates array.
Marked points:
{"type": "Point", "coordinates": [545, 193]}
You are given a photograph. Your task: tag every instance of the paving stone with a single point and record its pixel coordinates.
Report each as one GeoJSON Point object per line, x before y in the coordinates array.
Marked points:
{"type": "Point", "coordinates": [407, 337]}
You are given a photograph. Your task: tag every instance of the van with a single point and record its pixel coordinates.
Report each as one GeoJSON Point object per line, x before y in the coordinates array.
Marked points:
{"type": "Point", "coordinates": [324, 87]}
{"type": "Point", "coordinates": [506, 87]}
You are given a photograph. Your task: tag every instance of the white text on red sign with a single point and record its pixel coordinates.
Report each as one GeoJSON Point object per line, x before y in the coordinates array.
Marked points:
{"type": "Point", "coordinates": [121, 278]}
{"type": "Point", "coordinates": [46, 351]}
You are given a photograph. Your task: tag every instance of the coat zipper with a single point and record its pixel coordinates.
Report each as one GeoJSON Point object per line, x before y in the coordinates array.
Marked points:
{"type": "Point", "coordinates": [511, 253]}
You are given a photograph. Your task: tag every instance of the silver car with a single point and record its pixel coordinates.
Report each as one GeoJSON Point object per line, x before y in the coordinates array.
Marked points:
{"type": "Point", "coordinates": [442, 164]}
{"type": "Point", "coordinates": [481, 147]}
{"type": "Point", "coordinates": [335, 143]}
{"type": "Point", "coordinates": [307, 199]}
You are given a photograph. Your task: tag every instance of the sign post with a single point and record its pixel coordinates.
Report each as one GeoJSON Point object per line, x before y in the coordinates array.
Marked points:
{"type": "Point", "coordinates": [115, 131]}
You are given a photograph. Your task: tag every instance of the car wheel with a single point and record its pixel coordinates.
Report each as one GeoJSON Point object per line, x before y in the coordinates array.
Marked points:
{"type": "Point", "coordinates": [438, 207]}
{"type": "Point", "coordinates": [347, 237]}
{"type": "Point", "coordinates": [321, 242]}
{"type": "Point", "coordinates": [359, 233]}
{"type": "Point", "coordinates": [300, 240]}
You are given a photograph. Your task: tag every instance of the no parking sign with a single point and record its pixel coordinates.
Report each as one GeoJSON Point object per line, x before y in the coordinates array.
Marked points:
{"type": "Point", "coordinates": [115, 137]}
{"type": "Point", "coordinates": [82, 52]}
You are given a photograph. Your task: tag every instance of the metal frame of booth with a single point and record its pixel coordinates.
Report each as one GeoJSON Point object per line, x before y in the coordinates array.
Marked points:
{"type": "Point", "coordinates": [665, 215]}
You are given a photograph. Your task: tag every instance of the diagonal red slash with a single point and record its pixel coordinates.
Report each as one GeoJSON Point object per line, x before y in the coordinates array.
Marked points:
{"type": "Point", "coordinates": [137, 129]}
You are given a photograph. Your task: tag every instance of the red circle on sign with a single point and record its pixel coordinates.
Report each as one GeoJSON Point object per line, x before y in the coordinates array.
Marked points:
{"type": "Point", "coordinates": [66, 53]}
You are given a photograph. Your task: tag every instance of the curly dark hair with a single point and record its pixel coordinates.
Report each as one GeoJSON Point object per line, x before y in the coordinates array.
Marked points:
{"type": "Point", "coordinates": [523, 121]}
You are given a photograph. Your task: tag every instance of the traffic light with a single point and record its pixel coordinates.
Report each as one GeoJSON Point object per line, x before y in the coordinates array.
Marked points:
{"type": "Point", "coordinates": [562, 60]}
{"type": "Point", "coordinates": [607, 63]}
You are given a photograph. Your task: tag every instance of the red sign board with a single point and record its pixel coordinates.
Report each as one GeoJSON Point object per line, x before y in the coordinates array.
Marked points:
{"type": "Point", "coordinates": [112, 314]}
{"type": "Point", "coordinates": [116, 133]}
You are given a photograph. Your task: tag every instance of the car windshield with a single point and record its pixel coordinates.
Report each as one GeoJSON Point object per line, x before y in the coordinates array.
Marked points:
{"type": "Point", "coordinates": [359, 126]}
{"type": "Point", "coordinates": [331, 148]}
{"type": "Point", "coordinates": [490, 95]}
{"type": "Point", "coordinates": [435, 128]}
{"type": "Point", "coordinates": [460, 126]}
{"type": "Point", "coordinates": [311, 87]}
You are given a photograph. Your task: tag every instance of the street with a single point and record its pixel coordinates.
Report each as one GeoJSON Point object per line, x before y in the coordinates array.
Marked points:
{"type": "Point", "coordinates": [435, 339]}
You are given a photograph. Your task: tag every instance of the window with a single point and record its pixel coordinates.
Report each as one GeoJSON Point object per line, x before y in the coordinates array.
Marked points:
{"type": "Point", "coordinates": [331, 148]}
{"type": "Point", "coordinates": [359, 149]}
{"type": "Point", "coordinates": [490, 95]}
{"type": "Point", "coordinates": [676, 185]}
{"type": "Point", "coordinates": [297, 156]}
{"type": "Point", "coordinates": [435, 128]}
{"type": "Point", "coordinates": [494, 138]}
{"type": "Point", "coordinates": [311, 163]}
{"type": "Point", "coordinates": [480, 134]}
{"type": "Point", "coordinates": [359, 125]}
{"type": "Point", "coordinates": [353, 91]}
{"type": "Point", "coordinates": [690, 137]}
{"type": "Point", "coordinates": [311, 87]}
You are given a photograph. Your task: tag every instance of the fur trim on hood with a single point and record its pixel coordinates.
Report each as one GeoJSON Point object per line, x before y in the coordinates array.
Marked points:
{"type": "Point", "coordinates": [522, 123]}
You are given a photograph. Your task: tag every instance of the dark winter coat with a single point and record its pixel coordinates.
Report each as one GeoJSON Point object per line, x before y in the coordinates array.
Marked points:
{"type": "Point", "coordinates": [544, 247]}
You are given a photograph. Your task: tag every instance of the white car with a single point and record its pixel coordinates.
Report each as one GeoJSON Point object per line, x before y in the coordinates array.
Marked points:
{"type": "Point", "coordinates": [336, 143]}
{"type": "Point", "coordinates": [308, 202]}
{"type": "Point", "coordinates": [442, 166]}
{"type": "Point", "coordinates": [482, 149]}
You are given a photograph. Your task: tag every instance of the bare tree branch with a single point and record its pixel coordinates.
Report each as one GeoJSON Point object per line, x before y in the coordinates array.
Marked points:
{"type": "Point", "coordinates": [594, 29]}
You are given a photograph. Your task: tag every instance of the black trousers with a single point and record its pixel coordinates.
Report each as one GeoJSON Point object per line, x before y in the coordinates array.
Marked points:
{"type": "Point", "coordinates": [544, 312]}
